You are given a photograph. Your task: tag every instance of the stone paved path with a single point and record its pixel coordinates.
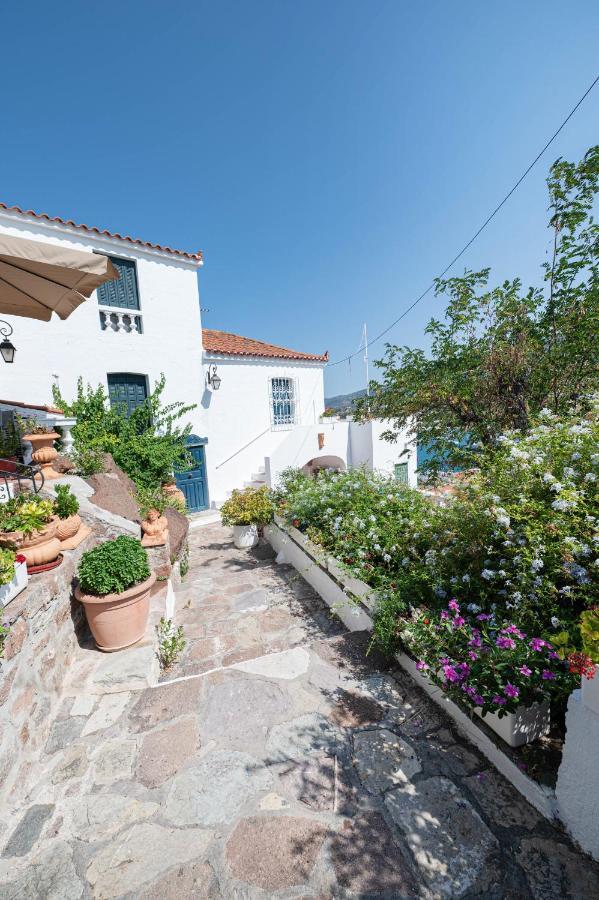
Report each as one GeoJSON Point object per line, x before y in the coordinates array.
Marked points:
{"type": "Point", "coordinates": [282, 763]}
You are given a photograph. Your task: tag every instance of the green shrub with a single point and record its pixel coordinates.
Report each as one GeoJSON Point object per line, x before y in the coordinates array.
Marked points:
{"type": "Point", "coordinates": [171, 642]}
{"type": "Point", "coordinates": [148, 445]}
{"type": "Point", "coordinates": [66, 504]}
{"type": "Point", "coordinates": [589, 630]}
{"type": "Point", "coordinates": [251, 506]}
{"type": "Point", "coordinates": [113, 567]}
{"type": "Point", "coordinates": [7, 566]}
{"type": "Point", "coordinates": [88, 461]}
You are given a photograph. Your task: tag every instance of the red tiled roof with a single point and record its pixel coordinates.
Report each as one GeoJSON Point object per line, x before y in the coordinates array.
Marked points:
{"type": "Point", "coordinates": [196, 257]}
{"type": "Point", "coordinates": [48, 409]}
{"type": "Point", "coordinates": [234, 345]}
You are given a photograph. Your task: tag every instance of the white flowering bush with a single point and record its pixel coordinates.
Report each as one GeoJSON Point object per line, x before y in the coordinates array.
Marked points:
{"type": "Point", "coordinates": [519, 543]}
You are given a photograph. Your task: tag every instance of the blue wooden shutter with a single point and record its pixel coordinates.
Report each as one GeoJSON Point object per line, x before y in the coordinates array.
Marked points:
{"type": "Point", "coordinates": [127, 391]}
{"type": "Point", "coordinates": [123, 291]}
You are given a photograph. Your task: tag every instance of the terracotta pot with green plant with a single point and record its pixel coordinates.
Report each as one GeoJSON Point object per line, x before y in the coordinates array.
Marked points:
{"type": "Point", "coordinates": [42, 437]}
{"type": "Point", "coordinates": [28, 524]}
{"type": "Point", "coordinates": [114, 587]}
{"type": "Point", "coordinates": [71, 530]}
{"type": "Point", "coordinates": [175, 493]}
{"type": "Point", "coordinates": [247, 511]}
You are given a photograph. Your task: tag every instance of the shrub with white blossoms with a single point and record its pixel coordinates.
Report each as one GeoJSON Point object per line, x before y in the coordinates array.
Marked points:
{"type": "Point", "coordinates": [520, 542]}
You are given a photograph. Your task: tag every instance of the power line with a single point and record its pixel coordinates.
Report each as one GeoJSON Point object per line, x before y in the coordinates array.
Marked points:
{"type": "Point", "coordinates": [477, 233]}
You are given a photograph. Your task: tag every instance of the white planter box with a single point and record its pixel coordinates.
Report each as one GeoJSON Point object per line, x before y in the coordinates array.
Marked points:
{"type": "Point", "coordinates": [11, 590]}
{"type": "Point", "coordinates": [590, 692]}
{"type": "Point", "coordinates": [521, 727]}
{"type": "Point", "coordinates": [7, 490]}
{"type": "Point", "coordinates": [245, 536]}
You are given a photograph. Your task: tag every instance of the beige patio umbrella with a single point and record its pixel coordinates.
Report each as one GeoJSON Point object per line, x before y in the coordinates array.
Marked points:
{"type": "Point", "coordinates": [37, 279]}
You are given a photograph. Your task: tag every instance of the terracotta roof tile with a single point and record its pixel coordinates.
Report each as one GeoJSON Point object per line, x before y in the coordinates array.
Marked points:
{"type": "Point", "coordinates": [21, 405]}
{"type": "Point", "coordinates": [234, 345]}
{"type": "Point", "coordinates": [91, 229]}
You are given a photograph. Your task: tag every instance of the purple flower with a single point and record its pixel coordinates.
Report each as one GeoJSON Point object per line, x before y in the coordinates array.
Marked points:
{"type": "Point", "coordinates": [553, 654]}
{"type": "Point", "coordinates": [524, 670]}
{"type": "Point", "coordinates": [510, 690]}
{"type": "Point", "coordinates": [450, 673]}
{"type": "Point", "coordinates": [475, 640]}
{"type": "Point", "coordinates": [483, 617]}
{"type": "Point", "coordinates": [547, 675]}
{"type": "Point", "coordinates": [444, 661]}
{"type": "Point", "coordinates": [506, 643]}
{"type": "Point", "coordinates": [463, 669]}
{"type": "Point", "coordinates": [472, 655]}
{"type": "Point", "coordinates": [454, 605]}
{"type": "Point", "coordinates": [538, 644]}
{"type": "Point", "coordinates": [444, 614]}
{"type": "Point", "coordinates": [458, 622]}
{"type": "Point", "coordinates": [421, 665]}
{"type": "Point", "coordinates": [478, 700]}
{"type": "Point", "coordinates": [498, 700]}
{"type": "Point", "coordinates": [512, 629]}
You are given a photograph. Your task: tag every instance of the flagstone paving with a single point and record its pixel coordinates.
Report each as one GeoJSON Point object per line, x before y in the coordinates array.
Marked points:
{"type": "Point", "coordinates": [283, 763]}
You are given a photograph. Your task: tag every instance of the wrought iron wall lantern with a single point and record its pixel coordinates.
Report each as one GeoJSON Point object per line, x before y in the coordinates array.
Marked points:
{"type": "Point", "coordinates": [213, 378]}
{"type": "Point", "coordinates": [7, 349]}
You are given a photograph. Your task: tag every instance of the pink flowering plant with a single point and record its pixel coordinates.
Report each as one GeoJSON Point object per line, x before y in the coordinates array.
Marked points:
{"type": "Point", "coordinates": [484, 663]}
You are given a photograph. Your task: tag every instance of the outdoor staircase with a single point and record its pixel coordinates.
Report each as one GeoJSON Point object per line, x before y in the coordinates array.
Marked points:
{"type": "Point", "coordinates": [257, 479]}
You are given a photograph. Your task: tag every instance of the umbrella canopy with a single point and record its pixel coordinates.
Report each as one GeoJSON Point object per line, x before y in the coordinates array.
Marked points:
{"type": "Point", "coordinates": [37, 279]}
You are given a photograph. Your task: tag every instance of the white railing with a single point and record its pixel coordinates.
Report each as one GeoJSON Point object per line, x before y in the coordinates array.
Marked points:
{"type": "Point", "coordinates": [129, 321]}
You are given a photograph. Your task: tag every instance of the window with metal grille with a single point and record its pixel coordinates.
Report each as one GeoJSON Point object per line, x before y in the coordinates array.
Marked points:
{"type": "Point", "coordinates": [401, 472]}
{"type": "Point", "coordinates": [283, 402]}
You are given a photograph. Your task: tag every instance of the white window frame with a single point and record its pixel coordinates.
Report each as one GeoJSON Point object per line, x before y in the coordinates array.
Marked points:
{"type": "Point", "coordinates": [278, 422]}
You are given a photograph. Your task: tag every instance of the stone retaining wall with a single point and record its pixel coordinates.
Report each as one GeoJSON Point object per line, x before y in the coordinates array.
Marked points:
{"type": "Point", "coordinates": [44, 625]}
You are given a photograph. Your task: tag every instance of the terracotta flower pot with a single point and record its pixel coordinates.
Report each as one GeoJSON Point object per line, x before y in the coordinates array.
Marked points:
{"type": "Point", "coordinates": [39, 547]}
{"type": "Point", "coordinates": [171, 490]}
{"type": "Point", "coordinates": [68, 528]}
{"type": "Point", "coordinates": [118, 620]}
{"type": "Point", "coordinates": [44, 452]}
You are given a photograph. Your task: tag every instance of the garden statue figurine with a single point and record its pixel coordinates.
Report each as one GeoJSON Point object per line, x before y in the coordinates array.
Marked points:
{"type": "Point", "coordinates": [155, 529]}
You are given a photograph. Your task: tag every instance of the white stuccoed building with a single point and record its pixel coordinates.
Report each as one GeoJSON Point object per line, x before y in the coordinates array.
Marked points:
{"type": "Point", "coordinates": [259, 415]}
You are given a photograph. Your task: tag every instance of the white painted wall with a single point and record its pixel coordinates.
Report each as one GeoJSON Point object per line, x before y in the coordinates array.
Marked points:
{"type": "Point", "coordinates": [386, 454]}
{"type": "Point", "coordinates": [171, 342]}
{"type": "Point", "coordinates": [237, 418]}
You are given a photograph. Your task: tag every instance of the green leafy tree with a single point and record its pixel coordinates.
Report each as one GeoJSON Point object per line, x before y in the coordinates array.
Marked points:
{"type": "Point", "coordinates": [504, 353]}
{"type": "Point", "coordinates": [149, 445]}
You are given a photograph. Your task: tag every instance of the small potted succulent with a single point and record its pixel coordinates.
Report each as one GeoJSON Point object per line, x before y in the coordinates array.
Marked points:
{"type": "Point", "coordinates": [114, 587]}
{"type": "Point", "coordinates": [247, 511]}
{"type": "Point", "coordinates": [13, 575]}
{"type": "Point", "coordinates": [28, 524]}
{"type": "Point", "coordinates": [41, 437]}
{"type": "Point", "coordinates": [71, 531]}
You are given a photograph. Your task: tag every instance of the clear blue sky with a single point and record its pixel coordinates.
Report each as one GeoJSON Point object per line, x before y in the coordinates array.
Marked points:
{"type": "Point", "coordinates": [329, 156]}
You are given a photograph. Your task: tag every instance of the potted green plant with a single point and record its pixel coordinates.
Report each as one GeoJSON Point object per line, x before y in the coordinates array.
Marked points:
{"type": "Point", "coordinates": [114, 587]}
{"type": "Point", "coordinates": [28, 524]}
{"type": "Point", "coordinates": [13, 575]}
{"type": "Point", "coordinates": [247, 511]}
{"type": "Point", "coordinates": [71, 531]}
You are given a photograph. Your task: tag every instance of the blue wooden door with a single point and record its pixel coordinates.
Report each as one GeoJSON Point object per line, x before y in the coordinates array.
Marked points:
{"type": "Point", "coordinates": [194, 483]}
{"type": "Point", "coordinates": [127, 391]}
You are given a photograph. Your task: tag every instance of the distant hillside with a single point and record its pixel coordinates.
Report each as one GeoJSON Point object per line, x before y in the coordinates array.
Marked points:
{"type": "Point", "coordinates": [344, 403]}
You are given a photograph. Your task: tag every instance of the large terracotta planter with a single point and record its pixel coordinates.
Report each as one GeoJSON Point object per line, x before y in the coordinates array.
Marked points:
{"type": "Point", "coordinates": [117, 621]}
{"type": "Point", "coordinates": [39, 547]}
{"type": "Point", "coordinates": [44, 452]}
{"type": "Point", "coordinates": [171, 490]}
